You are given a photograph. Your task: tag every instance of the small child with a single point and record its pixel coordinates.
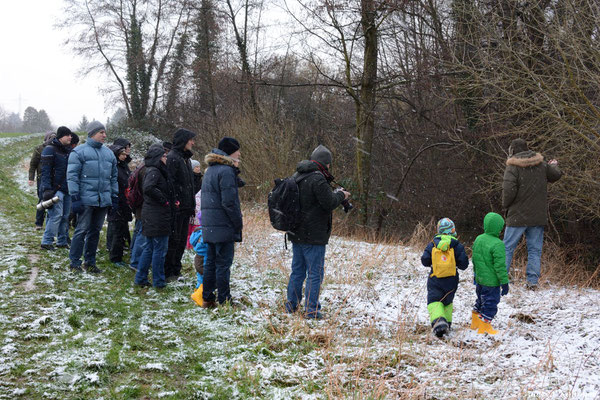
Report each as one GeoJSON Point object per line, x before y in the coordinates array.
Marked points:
{"type": "Point", "coordinates": [491, 278]}
{"type": "Point", "coordinates": [443, 254]}
{"type": "Point", "coordinates": [200, 248]}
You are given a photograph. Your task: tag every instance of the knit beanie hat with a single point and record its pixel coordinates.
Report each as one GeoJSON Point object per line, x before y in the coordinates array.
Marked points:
{"type": "Point", "coordinates": [74, 138]}
{"type": "Point", "coordinates": [229, 145]}
{"type": "Point", "coordinates": [63, 131]}
{"type": "Point", "coordinates": [94, 127]}
{"type": "Point", "coordinates": [195, 164]}
{"type": "Point", "coordinates": [517, 146]}
{"type": "Point", "coordinates": [445, 226]}
{"type": "Point", "coordinates": [322, 155]}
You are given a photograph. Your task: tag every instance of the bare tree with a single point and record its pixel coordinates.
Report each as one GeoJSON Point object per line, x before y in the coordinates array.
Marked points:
{"type": "Point", "coordinates": [132, 41]}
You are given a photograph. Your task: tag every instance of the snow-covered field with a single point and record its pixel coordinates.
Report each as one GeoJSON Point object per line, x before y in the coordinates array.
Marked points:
{"type": "Point", "coordinates": [98, 337]}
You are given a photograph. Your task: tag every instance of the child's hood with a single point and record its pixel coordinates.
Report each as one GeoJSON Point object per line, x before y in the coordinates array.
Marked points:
{"type": "Point", "coordinates": [444, 242]}
{"type": "Point", "coordinates": [493, 224]}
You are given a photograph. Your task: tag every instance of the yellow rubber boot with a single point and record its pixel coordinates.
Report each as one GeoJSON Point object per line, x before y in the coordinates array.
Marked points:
{"type": "Point", "coordinates": [475, 320]}
{"type": "Point", "coordinates": [486, 327]}
{"type": "Point", "coordinates": [197, 296]}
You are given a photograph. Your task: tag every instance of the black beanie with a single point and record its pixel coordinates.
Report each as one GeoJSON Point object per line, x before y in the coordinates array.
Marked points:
{"type": "Point", "coordinates": [74, 138]}
{"type": "Point", "coordinates": [229, 145]}
{"type": "Point", "coordinates": [63, 131]}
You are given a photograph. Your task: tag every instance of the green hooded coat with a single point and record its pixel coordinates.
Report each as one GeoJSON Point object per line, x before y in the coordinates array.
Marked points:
{"type": "Point", "coordinates": [489, 257]}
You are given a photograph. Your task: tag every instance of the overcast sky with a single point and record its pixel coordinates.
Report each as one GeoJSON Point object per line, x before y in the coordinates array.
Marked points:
{"type": "Point", "coordinates": [38, 68]}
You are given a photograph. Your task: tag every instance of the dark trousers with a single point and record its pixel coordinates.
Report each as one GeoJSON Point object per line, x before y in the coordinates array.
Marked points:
{"type": "Point", "coordinates": [217, 267]}
{"type": "Point", "coordinates": [176, 245]}
{"type": "Point", "coordinates": [441, 289]}
{"type": "Point", "coordinates": [487, 301]}
{"type": "Point", "coordinates": [39, 214]}
{"type": "Point", "coordinates": [116, 234]}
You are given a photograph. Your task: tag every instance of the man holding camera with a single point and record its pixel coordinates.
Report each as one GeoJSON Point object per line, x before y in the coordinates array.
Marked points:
{"type": "Point", "coordinates": [54, 160]}
{"type": "Point", "coordinates": [317, 202]}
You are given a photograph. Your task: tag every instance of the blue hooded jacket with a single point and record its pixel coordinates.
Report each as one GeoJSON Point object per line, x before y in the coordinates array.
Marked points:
{"type": "Point", "coordinates": [54, 158]}
{"type": "Point", "coordinates": [92, 174]}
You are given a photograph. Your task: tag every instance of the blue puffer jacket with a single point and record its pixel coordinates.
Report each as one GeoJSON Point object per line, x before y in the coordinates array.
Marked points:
{"type": "Point", "coordinates": [92, 174]}
{"type": "Point", "coordinates": [220, 204]}
{"type": "Point", "coordinates": [54, 161]}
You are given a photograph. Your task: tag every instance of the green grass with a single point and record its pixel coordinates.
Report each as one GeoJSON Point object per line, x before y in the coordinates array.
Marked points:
{"type": "Point", "coordinates": [82, 336]}
{"type": "Point", "coordinates": [14, 134]}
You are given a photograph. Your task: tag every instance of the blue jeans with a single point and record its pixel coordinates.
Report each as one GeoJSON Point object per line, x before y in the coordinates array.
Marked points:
{"type": "Point", "coordinates": [487, 301]}
{"type": "Point", "coordinates": [86, 235]}
{"type": "Point", "coordinates": [137, 244]}
{"type": "Point", "coordinates": [535, 241]}
{"type": "Point", "coordinates": [307, 259]}
{"type": "Point", "coordinates": [57, 223]}
{"type": "Point", "coordinates": [217, 269]}
{"type": "Point", "coordinates": [154, 250]}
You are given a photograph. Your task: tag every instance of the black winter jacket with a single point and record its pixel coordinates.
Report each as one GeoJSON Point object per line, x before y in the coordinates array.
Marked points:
{"type": "Point", "coordinates": [185, 183]}
{"type": "Point", "coordinates": [158, 197]}
{"type": "Point", "coordinates": [221, 212]}
{"type": "Point", "coordinates": [317, 201]}
{"type": "Point", "coordinates": [55, 158]}
{"type": "Point", "coordinates": [124, 211]}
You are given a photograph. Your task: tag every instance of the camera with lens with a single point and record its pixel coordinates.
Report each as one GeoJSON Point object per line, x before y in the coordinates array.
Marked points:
{"type": "Point", "coordinates": [345, 203]}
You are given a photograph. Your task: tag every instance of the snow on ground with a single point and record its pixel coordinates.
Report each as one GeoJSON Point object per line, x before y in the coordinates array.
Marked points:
{"type": "Point", "coordinates": [375, 341]}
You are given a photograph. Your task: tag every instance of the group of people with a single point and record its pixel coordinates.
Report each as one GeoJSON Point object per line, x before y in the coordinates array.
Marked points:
{"type": "Point", "coordinates": [175, 205]}
{"type": "Point", "coordinates": [524, 196]}
{"type": "Point", "coordinates": [91, 181]}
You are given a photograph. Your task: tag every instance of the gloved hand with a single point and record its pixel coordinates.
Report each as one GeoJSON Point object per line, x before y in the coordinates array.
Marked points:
{"type": "Point", "coordinates": [76, 205]}
{"type": "Point", "coordinates": [48, 194]}
{"type": "Point", "coordinates": [504, 290]}
{"type": "Point", "coordinates": [115, 205]}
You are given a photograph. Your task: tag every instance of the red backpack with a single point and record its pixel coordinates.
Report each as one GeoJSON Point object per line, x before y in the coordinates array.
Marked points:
{"type": "Point", "coordinates": [133, 192]}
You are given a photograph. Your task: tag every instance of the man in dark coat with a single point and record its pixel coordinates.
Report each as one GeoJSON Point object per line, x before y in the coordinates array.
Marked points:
{"type": "Point", "coordinates": [156, 217]}
{"type": "Point", "coordinates": [55, 157]}
{"type": "Point", "coordinates": [118, 220]}
{"type": "Point", "coordinates": [221, 218]}
{"type": "Point", "coordinates": [524, 195]}
{"type": "Point", "coordinates": [35, 175]}
{"type": "Point", "coordinates": [317, 202]}
{"type": "Point", "coordinates": [185, 185]}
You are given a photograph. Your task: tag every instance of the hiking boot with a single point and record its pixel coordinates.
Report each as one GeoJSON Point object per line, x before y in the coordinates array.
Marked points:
{"type": "Point", "coordinates": [76, 269]}
{"type": "Point", "coordinates": [172, 278]}
{"type": "Point", "coordinates": [531, 286]}
{"type": "Point", "coordinates": [316, 315]}
{"type": "Point", "coordinates": [47, 247]}
{"type": "Point", "coordinates": [208, 304]}
{"type": "Point", "coordinates": [440, 327]}
{"type": "Point", "coordinates": [92, 269]}
{"type": "Point", "coordinates": [63, 246]}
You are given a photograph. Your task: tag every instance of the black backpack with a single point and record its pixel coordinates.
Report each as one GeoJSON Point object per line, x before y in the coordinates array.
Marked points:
{"type": "Point", "coordinates": [284, 203]}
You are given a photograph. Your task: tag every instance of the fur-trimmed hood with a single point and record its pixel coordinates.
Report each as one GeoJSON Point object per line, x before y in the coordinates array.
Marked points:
{"type": "Point", "coordinates": [218, 157]}
{"type": "Point", "coordinates": [525, 159]}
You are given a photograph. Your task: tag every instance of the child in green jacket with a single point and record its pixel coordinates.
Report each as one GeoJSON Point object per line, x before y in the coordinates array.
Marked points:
{"type": "Point", "coordinates": [491, 278]}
